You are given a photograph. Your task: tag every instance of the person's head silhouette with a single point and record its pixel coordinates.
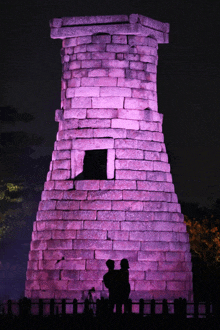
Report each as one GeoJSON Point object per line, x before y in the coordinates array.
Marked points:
{"type": "Point", "coordinates": [110, 264]}
{"type": "Point", "coordinates": [124, 264]}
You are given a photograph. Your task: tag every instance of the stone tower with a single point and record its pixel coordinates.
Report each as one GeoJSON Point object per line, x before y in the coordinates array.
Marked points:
{"type": "Point", "coordinates": [109, 191]}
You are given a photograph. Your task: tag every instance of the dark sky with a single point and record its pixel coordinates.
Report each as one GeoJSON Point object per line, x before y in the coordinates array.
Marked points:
{"type": "Point", "coordinates": [188, 78]}
{"type": "Point", "coordinates": [188, 91]}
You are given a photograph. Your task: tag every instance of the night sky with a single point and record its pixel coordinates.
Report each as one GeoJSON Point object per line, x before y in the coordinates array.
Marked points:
{"type": "Point", "coordinates": [188, 83]}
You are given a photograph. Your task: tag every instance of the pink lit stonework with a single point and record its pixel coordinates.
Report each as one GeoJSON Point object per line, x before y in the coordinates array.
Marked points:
{"type": "Point", "coordinates": [109, 191]}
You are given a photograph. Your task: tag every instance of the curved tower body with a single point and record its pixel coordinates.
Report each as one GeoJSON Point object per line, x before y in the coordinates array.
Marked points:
{"type": "Point", "coordinates": [109, 191]}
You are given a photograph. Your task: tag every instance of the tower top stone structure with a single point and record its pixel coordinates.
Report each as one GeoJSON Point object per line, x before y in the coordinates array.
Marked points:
{"type": "Point", "coordinates": [109, 191]}
{"type": "Point", "coordinates": [134, 24]}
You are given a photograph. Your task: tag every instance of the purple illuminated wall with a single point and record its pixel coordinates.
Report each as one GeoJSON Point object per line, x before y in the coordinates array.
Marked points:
{"type": "Point", "coordinates": [109, 190]}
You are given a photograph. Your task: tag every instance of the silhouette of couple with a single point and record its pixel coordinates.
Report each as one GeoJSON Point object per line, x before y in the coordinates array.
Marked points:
{"type": "Point", "coordinates": [117, 282]}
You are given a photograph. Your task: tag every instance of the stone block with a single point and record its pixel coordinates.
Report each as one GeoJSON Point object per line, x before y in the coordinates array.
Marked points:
{"type": "Point", "coordinates": [136, 225]}
{"type": "Point", "coordinates": [155, 186]}
{"type": "Point", "coordinates": [68, 124]}
{"type": "Point", "coordinates": [96, 48]}
{"type": "Point", "coordinates": [132, 83]}
{"type": "Point", "coordinates": [67, 205]}
{"type": "Point", "coordinates": [146, 50]}
{"type": "Point", "coordinates": [150, 285]}
{"type": "Point", "coordinates": [61, 234]}
{"type": "Point", "coordinates": [38, 245]}
{"type": "Point", "coordinates": [91, 234]}
{"type": "Point", "coordinates": [51, 194]}
{"type": "Point", "coordinates": [141, 165]}
{"type": "Point", "coordinates": [178, 246]}
{"type": "Point", "coordinates": [79, 215]}
{"type": "Point", "coordinates": [118, 235]}
{"type": "Point", "coordinates": [135, 65]}
{"type": "Point", "coordinates": [32, 285]}
{"type": "Point", "coordinates": [115, 64]}
{"type": "Point", "coordinates": [78, 254]}
{"type": "Point", "coordinates": [110, 164]}
{"type": "Point", "coordinates": [129, 154]}
{"type": "Point", "coordinates": [59, 244]}
{"type": "Point", "coordinates": [119, 73]}
{"type": "Point", "coordinates": [89, 275]}
{"type": "Point", "coordinates": [107, 102]}
{"type": "Point", "coordinates": [33, 265]}
{"type": "Point", "coordinates": [117, 48]}
{"type": "Point", "coordinates": [101, 113]}
{"type": "Point", "coordinates": [61, 164]}
{"type": "Point", "coordinates": [139, 216]}
{"type": "Point", "coordinates": [84, 40]}
{"type": "Point", "coordinates": [86, 91]}
{"type": "Point", "coordinates": [47, 205]}
{"type": "Point", "coordinates": [149, 146]}
{"type": "Point", "coordinates": [115, 255]}
{"type": "Point", "coordinates": [115, 91]}
{"type": "Point", "coordinates": [98, 73]}
{"type": "Point", "coordinates": [81, 102]}
{"type": "Point", "coordinates": [75, 195]}
{"type": "Point", "coordinates": [156, 206]}
{"type": "Point", "coordinates": [72, 113]}
{"type": "Point", "coordinates": [143, 265]}
{"type": "Point", "coordinates": [35, 255]}
{"type": "Point", "coordinates": [161, 166]}
{"type": "Point", "coordinates": [41, 235]}
{"type": "Point", "coordinates": [151, 256]}
{"type": "Point", "coordinates": [106, 132]}
{"type": "Point", "coordinates": [117, 184]}
{"type": "Point", "coordinates": [170, 266]}
{"type": "Point", "coordinates": [92, 64]}
{"type": "Point", "coordinates": [74, 65]}
{"type": "Point", "coordinates": [131, 114]}
{"type": "Point", "coordinates": [105, 195]}
{"type": "Point", "coordinates": [126, 245]}
{"type": "Point", "coordinates": [54, 285]}
{"type": "Point", "coordinates": [96, 123]}
{"type": "Point", "coordinates": [149, 67]}
{"type": "Point", "coordinates": [154, 246]}
{"type": "Point", "coordinates": [111, 215]}
{"type": "Point", "coordinates": [86, 185]}
{"type": "Point", "coordinates": [103, 56]}
{"type": "Point", "coordinates": [63, 145]}
{"type": "Point", "coordinates": [101, 39]}
{"type": "Point", "coordinates": [174, 256]}
{"type": "Point", "coordinates": [101, 225]}
{"type": "Point", "coordinates": [134, 103]}
{"type": "Point", "coordinates": [123, 123]}
{"type": "Point", "coordinates": [78, 73]}
{"type": "Point", "coordinates": [60, 174]}
{"type": "Point", "coordinates": [83, 56]}
{"type": "Point", "coordinates": [176, 285]}
{"type": "Point", "coordinates": [80, 49]}
{"type": "Point", "coordinates": [168, 236]}
{"type": "Point", "coordinates": [127, 206]}
{"type": "Point", "coordinates": [42, 275]}
{"type": "Point", "coordinates": [52, 255]}
{"type": "Point", "coordinates": [144, 236]}
{"type": "Point", "coordinates": [64, 185]}
{"type": "Point", "coordinates": [92, 144]}
{"type": "Point", "coordinates": [132, 175]}
{"type": "Point", "coordinates": [87, 244]}
{"type": "Point", "coordinates": [155, 176]}
{"type": "Point", "coordinates": [136, 195]}
{"type": "Point", "coordinates": [100, 81]}
{"type": "Point", "coordinates": [49, 215]}
{"type": "Point", "coordinates": [126, 144]}
{"type": "Point", "coordinates": [95, 205]}
{"type": "Point", "coordinates": [49, 185]}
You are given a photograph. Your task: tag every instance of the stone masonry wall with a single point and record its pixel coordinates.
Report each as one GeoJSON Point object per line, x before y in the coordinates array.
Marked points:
{"type": "Point", "coordinates": [109, 101]}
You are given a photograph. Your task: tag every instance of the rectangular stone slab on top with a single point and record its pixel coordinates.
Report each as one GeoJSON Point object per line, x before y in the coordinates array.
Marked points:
{"type": "Point", "coordinates": [109, 114]}
{"type": "Point", "coordinates": [117, 24]}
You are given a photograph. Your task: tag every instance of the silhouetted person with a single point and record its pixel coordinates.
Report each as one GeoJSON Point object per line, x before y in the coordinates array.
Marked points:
{"type": "Point", "coordinates": [109, 280]}
{"type": "Point", "coordinates": [122, 286]}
